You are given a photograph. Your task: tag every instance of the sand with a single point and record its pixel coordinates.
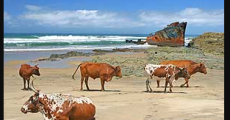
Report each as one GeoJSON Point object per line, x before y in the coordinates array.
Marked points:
{"type": "Point", "coordinates": [125, 98]}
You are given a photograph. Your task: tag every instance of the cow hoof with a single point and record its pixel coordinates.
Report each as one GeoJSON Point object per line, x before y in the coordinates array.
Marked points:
{"type": "Point", "coordinates": [81, 89]}
{"type": "Point", "coordinates": [29, 89]}
{"type": "Point", "coordinates": [23, 89]}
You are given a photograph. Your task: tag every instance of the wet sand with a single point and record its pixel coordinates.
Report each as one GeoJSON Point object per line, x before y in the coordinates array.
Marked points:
{"type": "Point", "coordinates": [125, 98]}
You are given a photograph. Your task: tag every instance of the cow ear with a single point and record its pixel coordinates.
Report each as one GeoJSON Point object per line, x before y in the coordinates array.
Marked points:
{"type": "Point", "coordinates": [37, 66]}
{"type": "Point", "coordinates": [118, 68]}
{"type": "Point", "coordinates": [201, 64]}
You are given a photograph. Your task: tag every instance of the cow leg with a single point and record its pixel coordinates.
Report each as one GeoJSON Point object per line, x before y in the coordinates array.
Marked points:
{"type": "Point", "coordinates": [166, 84]}
{"type": "Point", "coordinates": [86, 82]}
{"type": "Point", "coordinates": [150, 87]}
{"type": "Point", "coordinates": [186, 82]}
{"type": "Point", "coordinates": [158, 83]}
{"type": "Point", "coordinates": [171, 79]}
{"type": "Point", "coordinates": [170, 87]}
{"type": "Point", "coordinates": [24, 83]}
{"type": "Point", "coordinates": [102, 85]}
{"type": "Point", "coordinates": [28, 84]}
{"type": "Point", "coordinates": [147, 85]}
{"type": "Point", "coordinates": [82, 79]}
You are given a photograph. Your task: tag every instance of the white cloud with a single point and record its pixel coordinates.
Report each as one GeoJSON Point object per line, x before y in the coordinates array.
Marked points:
{"type": "Point", "coordinates": [32, 7]}
{"type": "Point", "coordinates": [102, 19]}
{"type": "Point", "coordinates": [7, 17]}
{"type": "Point", "coordinates": [76, 18]}
{"type": "Point", "coordinates": [194, 16]}
{"type": "Point", "coordinates": [9, 20]}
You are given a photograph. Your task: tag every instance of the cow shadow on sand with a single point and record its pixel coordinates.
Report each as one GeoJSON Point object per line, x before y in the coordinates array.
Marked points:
{"type": "Point", "coordinates": [196, 86]}
{"type": "Point", "coordinates": [162, 91]}
{"type": "Point", "coordinates": [96, 90]}
{"type": "Point", "coordinates": [166, 92]}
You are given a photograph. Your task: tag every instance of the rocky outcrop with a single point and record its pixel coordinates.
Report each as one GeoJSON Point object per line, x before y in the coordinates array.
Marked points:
{"type": "Point", "coordinates": [209, 42]}
{"type": "Point", "coordinates": [55, 57]}
{"type": "Point", "coordinates": [118, 50]}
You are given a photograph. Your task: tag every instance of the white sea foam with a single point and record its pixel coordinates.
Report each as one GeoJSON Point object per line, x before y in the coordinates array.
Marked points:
{"type": "Point", "coordinates": [24, 44]}
{"type": "Point", "coordinates": [187, 40]}
{"type": "Point", "coordinates": [69, 38]}
{"type": "Point", "coordinates": [82, 48]}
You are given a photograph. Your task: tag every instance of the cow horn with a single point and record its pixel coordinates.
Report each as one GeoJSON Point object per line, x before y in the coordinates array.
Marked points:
{"type": "Point", "coordinates": [32, 86]}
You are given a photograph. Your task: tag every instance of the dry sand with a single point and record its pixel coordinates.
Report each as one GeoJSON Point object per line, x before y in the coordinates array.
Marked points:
{"type": "Point", "coordinates": [125, 98]}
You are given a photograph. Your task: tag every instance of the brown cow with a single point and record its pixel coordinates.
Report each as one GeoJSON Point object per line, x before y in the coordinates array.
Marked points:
{"type": "Point", "coordinates": [191, 66]}
{"type": "Point", "coordinates": [26, 71]}
{"type": "Point", "coordinates": [59, 106]}
{"type": "Point", "coordinates": [169, 72]}
{"type": "Point", "coordinates": [103, 71]}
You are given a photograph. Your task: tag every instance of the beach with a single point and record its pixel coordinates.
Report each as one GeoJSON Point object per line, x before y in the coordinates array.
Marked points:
{"type": "Point", "coordinates": [139, 60]}
{"type": "Point", "coordinates": [124, 98]}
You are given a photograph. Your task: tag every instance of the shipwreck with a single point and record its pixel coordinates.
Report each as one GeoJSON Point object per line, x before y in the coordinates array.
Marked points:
{"type": "Point", "coordinates": [172, 35]}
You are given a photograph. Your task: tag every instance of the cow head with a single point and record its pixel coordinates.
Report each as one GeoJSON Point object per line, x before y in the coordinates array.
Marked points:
{"type": "Point", "coordinates": [148, 69]}
{"type": "Point", "coordinates": [202, 68]}
{"type": "Point", "coordinates": [33, 104]}
{"type": "Point", "coordinates": [118, 71]}
{"type": "Point", "coordinates": [182, 72]}
{"type": "Point", "coordinates": [36, 70]}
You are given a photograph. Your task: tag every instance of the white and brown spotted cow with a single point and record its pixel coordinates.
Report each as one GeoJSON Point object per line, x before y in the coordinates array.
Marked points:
{"type": "Point", "coordinates": [169, 72]}
{"type": "Point", "coordinates": [60, 106]}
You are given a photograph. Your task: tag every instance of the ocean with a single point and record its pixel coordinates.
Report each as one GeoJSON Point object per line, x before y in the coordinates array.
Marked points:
{"type": "Point", "coordinates": [30, 46]}
{"type": "Point", "coordinates": [61, 42]}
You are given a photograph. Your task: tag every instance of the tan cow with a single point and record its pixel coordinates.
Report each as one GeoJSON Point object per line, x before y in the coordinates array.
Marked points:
{"type": "Point", "coordinates": [26, 71]}
{"type": "Point", "coordinates": [103, 71]}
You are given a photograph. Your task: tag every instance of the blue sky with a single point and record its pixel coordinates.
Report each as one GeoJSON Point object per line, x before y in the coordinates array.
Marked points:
{"type": "Point", "coordinates": [111, 17]}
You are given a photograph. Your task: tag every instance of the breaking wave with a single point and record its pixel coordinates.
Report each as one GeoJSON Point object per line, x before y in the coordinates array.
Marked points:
{"type": "Point", "coordinates": [40, 42]}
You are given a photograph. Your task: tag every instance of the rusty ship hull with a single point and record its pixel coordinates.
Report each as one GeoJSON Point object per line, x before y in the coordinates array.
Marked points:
{"type": "Point", "coordinates": [172, 35]}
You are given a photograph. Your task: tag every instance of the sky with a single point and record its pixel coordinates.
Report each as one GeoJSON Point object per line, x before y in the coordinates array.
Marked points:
{"type": "Point", "coordinates": [111, 17]}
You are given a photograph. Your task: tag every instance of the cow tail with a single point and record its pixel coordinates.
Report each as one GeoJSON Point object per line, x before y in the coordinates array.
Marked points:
{"type": "Point", "coordinates": [75, 71]}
